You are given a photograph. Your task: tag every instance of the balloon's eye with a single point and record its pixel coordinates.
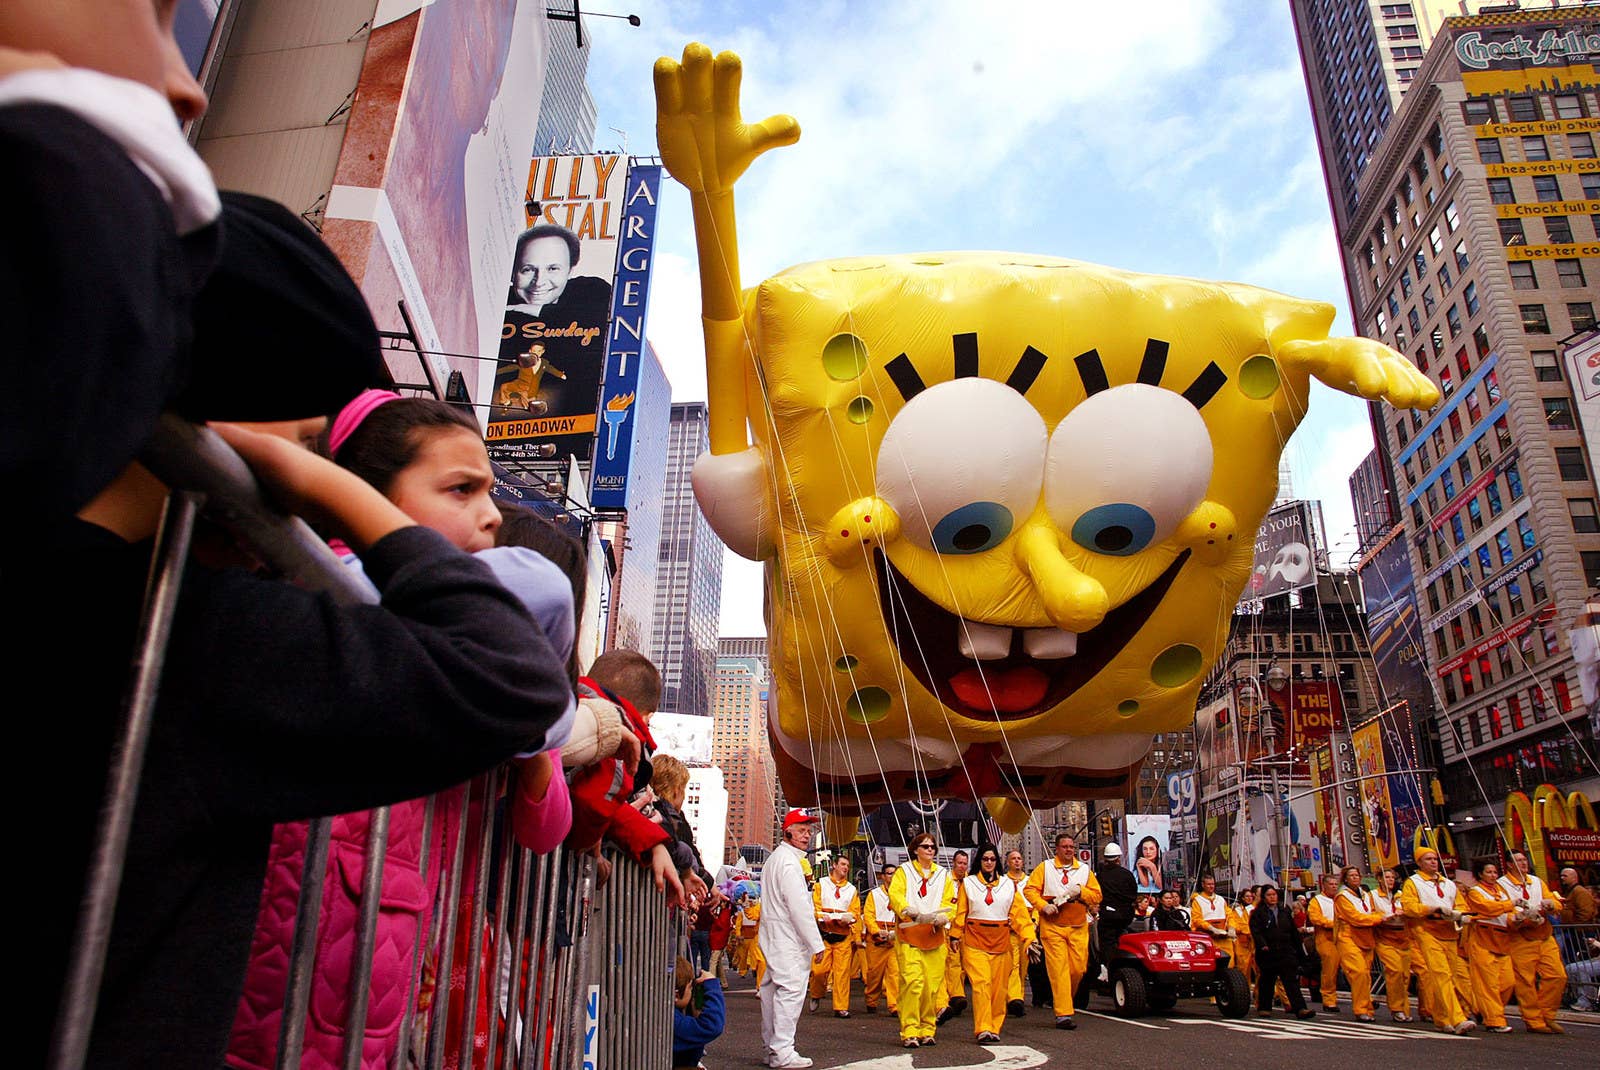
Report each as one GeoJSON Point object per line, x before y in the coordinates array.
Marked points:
{"type": "Point", "coordinates": [1118, 529]}
{"type": "Point", "coordinates": [972, 528]}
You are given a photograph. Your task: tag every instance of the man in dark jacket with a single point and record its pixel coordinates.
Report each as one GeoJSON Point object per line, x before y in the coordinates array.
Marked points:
{"type": "Point", "coordinates": [1120, 891]}
{"type": "Point", "coordinates": [1278, 953]}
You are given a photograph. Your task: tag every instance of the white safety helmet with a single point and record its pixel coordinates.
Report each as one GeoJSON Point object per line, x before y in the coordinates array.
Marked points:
{"type": "Point", "coordinates": [1112, 851]}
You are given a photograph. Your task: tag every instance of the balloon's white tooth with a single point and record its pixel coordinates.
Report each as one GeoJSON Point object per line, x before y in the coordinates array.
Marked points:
{"type": "Point", "coordinates": [1049, 643]}
{"type": "Point", "coordinates": [983, 642]}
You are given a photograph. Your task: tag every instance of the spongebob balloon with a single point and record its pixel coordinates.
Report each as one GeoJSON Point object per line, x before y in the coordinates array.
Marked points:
{"type": "Point", "coordinates": [1006, 503]}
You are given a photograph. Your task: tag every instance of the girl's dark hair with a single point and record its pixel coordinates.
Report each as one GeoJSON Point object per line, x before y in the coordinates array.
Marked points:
{"type": "Point", "coordinates": [1483, 864]}
{"type": "Point", "coordinates": [521, 526]}
{"type": "Point", "coordinates": [387, 441]}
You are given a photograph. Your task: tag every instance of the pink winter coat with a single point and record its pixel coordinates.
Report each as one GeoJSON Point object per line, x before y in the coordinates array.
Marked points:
{"type": "Point", "coordinates": [405, 906]}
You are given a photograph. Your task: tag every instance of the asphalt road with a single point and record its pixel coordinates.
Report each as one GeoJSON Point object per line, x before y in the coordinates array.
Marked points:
{"type": "Point", "coordinates": [1192, 1035]}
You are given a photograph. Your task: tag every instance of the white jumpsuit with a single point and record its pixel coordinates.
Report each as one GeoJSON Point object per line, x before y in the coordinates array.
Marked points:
{"type": "Point", "coordinates": [789, 939]}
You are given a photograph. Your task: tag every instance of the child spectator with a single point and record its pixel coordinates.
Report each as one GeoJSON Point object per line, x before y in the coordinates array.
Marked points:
{"type": "Point", "coordinates": [428, 458]}
{"type": "Point", "coordinates": [698, 1015]}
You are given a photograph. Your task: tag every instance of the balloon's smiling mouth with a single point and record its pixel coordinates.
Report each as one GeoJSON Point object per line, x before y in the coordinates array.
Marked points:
{"type": "Point", "coordinates": [989, 672]}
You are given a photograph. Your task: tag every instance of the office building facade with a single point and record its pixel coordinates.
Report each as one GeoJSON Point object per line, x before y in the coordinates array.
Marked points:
{"type": "Point", "coordinates": [688, 601]}
{"type": "Point", "coordinates": [740, 749]}
{"type": "Point", "coordinates": [1469, 245]}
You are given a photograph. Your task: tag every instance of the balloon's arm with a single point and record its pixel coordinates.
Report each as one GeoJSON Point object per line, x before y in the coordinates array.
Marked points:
{"type": "Point", "coordinates": [1363, 367]}
{"type": "Point", "coordinates": [706, 145]}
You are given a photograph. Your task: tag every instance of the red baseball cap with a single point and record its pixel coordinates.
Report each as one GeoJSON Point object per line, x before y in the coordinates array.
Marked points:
{"type": "Point", "coordinates": [798, 817]}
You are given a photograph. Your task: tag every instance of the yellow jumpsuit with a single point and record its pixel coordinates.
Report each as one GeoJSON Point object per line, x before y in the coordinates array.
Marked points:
{"type": "Point", "coordinates": [989, 917]}
{"type": "Point", "coordinates": [1323, 917]}
{"type": "Point", "coordinates": [920, 949]}
{"type": "Point", "coordinates": [955, 979]}
{"type": "Point", "coordinates": [880, 973]}
{"type": "Point", "coordinates": [838, 957]}
{"type": "Point", "coordinates": [1244, 945]}
{"type": "Point", "coordinates": [749, 926]}
{"type": "Point", "coordinates": [1212, 910]}
{"type": "Point", "coordinates": [1535, 958]}
{"type": "Point", "coordinates": [1489, 951]}
{"type": "Point", "coordinates": [1394, 952]}
{"type": "Point", "coordinates": [1433, 942]}
{"type": "Point", "coordinates": [1019, 947]}
{"type": "Point", "coordinates": [1065, 936]}
{"type": "Point", "coordinates": [1357, 939]}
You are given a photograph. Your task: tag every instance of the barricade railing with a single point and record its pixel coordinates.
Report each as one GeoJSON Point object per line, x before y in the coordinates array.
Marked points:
{"type": "Point", "coordinates": [1581, 961]}
{"type": "Point", "coordinates": [553, 971]}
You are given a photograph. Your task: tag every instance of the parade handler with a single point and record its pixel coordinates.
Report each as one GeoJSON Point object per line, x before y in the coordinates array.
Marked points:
{"type": "Point", "coordinates": [1535, 959]}
{"type": "Point", "coordinates": [838, 910]}
{"type": "Point", "coordinates": [1394, 945]}
{"type": "Point", "coordinates": [953, 995]}
{"type": "Point", "coordinates": [1063, 890]}
{"type": "Point", "coordinates": [880, 973]}
{"type": "Point", "coordinates": [923, 897]}
{"type": "Point", "coordinates": [1323, 917]}
{"type": "Point", "coordinates": [788, 939]}
{"type": "Point", "coordinates": [990, 916]}
{"type": "Point", "coordinates": [1357, 938]}
{"type": "Point", "coordinates": [1019, 947]}
{"type": "Point", "coordinates": [1209, 914]}
{"type": "Point", "coordinates": [1428, 901]}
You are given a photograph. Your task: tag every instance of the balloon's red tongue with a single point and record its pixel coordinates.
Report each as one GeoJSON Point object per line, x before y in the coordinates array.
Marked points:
{"type": "Point", "coordinates": [1003, 690]}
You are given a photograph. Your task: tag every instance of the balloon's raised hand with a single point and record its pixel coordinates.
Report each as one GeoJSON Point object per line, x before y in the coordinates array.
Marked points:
{"type": "Point", "coordinates": [704, 141]}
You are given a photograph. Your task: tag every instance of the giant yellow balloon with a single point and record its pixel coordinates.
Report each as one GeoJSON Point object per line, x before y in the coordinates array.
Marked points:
{"type": "Point", "coordinates": [1006, 502]}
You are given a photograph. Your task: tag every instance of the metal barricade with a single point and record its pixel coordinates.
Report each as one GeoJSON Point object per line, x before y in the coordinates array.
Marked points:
{"type": "Point", "coordinates": [520, 961]}
{"type": "Point", "coordinates": [1581, 960]}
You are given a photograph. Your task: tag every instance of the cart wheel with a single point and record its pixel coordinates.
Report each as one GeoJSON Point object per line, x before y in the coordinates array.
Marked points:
{"type": "Point", "coordinates": [1233, 994]}
{"type": "Point", "coordinates": [1128, 992]}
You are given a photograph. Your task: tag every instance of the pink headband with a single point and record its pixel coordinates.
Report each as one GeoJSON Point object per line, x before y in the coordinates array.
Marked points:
{"type": "Point", "coordinates": [351, 416]}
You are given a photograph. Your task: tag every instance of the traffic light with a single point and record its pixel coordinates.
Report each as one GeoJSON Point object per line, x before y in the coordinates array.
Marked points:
{"type": "Point", "coordinates": [1107, 828]}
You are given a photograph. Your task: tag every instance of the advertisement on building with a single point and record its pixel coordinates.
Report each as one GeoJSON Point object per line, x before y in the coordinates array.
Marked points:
{"type": "Point", "coordinates": [1302, 713]}
{"type": "Point", "coordinates": [1285, 553]}
{"type": "Point", "coordinates": [1329, 826]}
{"type": "Point", "coordinates": [1182, 805]}
{"type": "Point", "coordinates": [557, 308]}
{"type": "Point", "coordinates": [1394, 625]}
{"type": "Point", "coordinates": [685, 736]}
{"type": "Point", "coordinates": [1216, 747]}
{"type": "Point", "coordinates": [1149, 840]}
{"type": "Point", "coordinates": [625, 347]}
{"type": "Point", "coordinates": [1520, 52]}
{"type": "Point", "coordinates": [1217, 833]}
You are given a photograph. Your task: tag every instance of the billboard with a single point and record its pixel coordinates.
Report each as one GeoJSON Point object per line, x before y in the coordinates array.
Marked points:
{"type": "Point", "coordinates": [1520, 52]}
{"type": "Point", "coordinates": [1329, 817]}
{"type": "Point", "coordinates": [1182, 805]}
{"type": "Point", "coordinates": [625, 344]}
{"type": "Point", "coordinates": [1216, 747]}
{"type": "Point", "coordinates": [685, 736]}
{"type": "Point", "coordinates": [1149, 840]}
{"type": "Point", "coordinates": [1391, 800]}
{"type": "Point", "coordinates": [1302, 714]}
{"type": "Point", "coordinates": [1285, 553]}
{"type": "Point", "coordinates": [1394, 625]}
{"type": "Point", "coordinates": [557, 307]}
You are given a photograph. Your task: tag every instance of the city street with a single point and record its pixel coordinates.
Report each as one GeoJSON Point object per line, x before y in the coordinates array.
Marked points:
{"type": "Point", "coordinates": [1195, 1035]}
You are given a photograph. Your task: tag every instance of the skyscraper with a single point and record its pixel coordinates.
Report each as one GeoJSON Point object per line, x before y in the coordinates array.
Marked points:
{"type": "Point", "coordinates": [1372, 499]}
{"type": "Point", "coordinates": [1467, 228]}
{"type": "Point", "coordinates": [739, 745]}
{"type": "Point", "coordinates": [635, 538]}
{"type": "Point", "coordinates": [688, 602]}
{"type": "Point", "coordinates": [567, 112]}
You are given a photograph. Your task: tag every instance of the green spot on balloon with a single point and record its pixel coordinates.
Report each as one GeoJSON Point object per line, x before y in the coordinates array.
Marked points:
{"type": "Point", "coordinates": [1258, 377]}
{"type": "Point", "coordinates": [867, 705]}
{"type": "Point", "coordinates": [1128, 707]}
{"type": "Point", "coordinates": [859, 411]}
{"type": "Point", "coordinates": [1176, 665]}
{"type": "Point", "coordinates": [846, 663]}
{"type": "Point", "coordinates": [844, 357]}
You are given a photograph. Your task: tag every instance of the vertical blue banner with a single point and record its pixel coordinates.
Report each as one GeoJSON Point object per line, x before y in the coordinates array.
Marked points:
{"type": "Point", "coordinates": [613, 448]}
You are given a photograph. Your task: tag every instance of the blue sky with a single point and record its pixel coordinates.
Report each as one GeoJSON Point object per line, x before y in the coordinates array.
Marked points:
{"type": "Point", "coordinates": [1179, 143]}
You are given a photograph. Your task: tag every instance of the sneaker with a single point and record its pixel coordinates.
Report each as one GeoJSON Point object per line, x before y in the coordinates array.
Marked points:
{"type": "Point", "coordinates": [1307, 1013]}
{"type": "Point", "coordinates": [1331, 1010]}
{"type": "Point", "coordinates": [1017, 1009]}
{"type": "Point", "coordinates": [795, 1061]}
{"type": "Point", "coordinates": [1401, 1017]}
{"type": "Point", "coordinates": [811, 1005]}
{"type": "Point", "coordinates": [945, 1015]}
{"type": "Point", "coordinates": [1366, 1018]}
{"type": "Point", "coordinates": [988, 1038]}
{"type": "Point", "coordinates": [928, 1042]}
{"type": "Point", "coordinates": [909, 1042]}
{"type": "Point", "coordinates": [1497, 1029]}
{"type": "Point", "coordinates": [841, 1014]}
{"type": "Point", "coordinates": [1464, 1026]}
{"type": "Point", "coordinates": [1064, 1021]}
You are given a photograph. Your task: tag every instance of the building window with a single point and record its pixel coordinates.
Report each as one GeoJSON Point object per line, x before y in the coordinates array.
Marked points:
{"type": "Point", "coordinates": [1405, 283]}
{"type": "Point", "coordinates": [1580, 146]}
{"type": "Point", "coordinates": [1480, 340]}
{"type": "Point", "coordinates": [1415, 319]}
{"type": "Point", "coordinates": [1591, 567]}
{"type": "Point", "coordinates": [1570, 272]}
{"type": "Point", "coordinates": [1559, 227]}
{"type": "Point", "coordinates": [1452, 316]}
{"type": "Point", "coordinates": [1513, 477]}
{"type": "Point", "coordinates": [1474, 413]}
{"type": "Point", "coordinates": [1522, 276]}
{"type": "Point", "coordinates": [1558, 414]}
{"type": "Point", "coordinates": [1591, 185]}
{"type": "Point", "coordinates": [1428, 301]}
{"type": "Point", "coordinates": [1500, 191]}
{"type": "Point", "coordinates": [1436, 241]}
{"type": "Point", "coordinates": [1478, 112]}
{"type": "Point", "coordinates": [1585, 518]}
{"type": "Point", "coordinates": [1452, 218]}
{"type": "Point", "coordinates": [1455, 434]}
{"type": "Point", "coordinates": [1445, 279]}
{"type": "Point", "coordinates": [1569, 460]}
{"type": "Point", "coordinates": [1534, 320]}
{"type": "Point", "coordinates": [1581, 313]}
{"type": "Point", "coordinates": [1524, 109]}
{"type": "Point", "coordinates": [1489, 150]}
{"type": "Point", "coordinates": [1491, 385]}
{"type": "Point", "coordinates": [1535, 148]}
{"type": "Point", "coordinates": [1545, 366]}
{"type": "Point", "coordinates": [1511, 233]}
{"type": "Point", "coordinates": [1546, 188]}
{"type": "Point", "coordinates": [1568, 106]}
{"type": "Point", "coordinates": [1470, 296]}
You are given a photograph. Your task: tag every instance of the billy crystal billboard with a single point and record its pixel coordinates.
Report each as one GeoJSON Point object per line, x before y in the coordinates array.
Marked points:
{"type": "Point", "coordinates": [557, 307]}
